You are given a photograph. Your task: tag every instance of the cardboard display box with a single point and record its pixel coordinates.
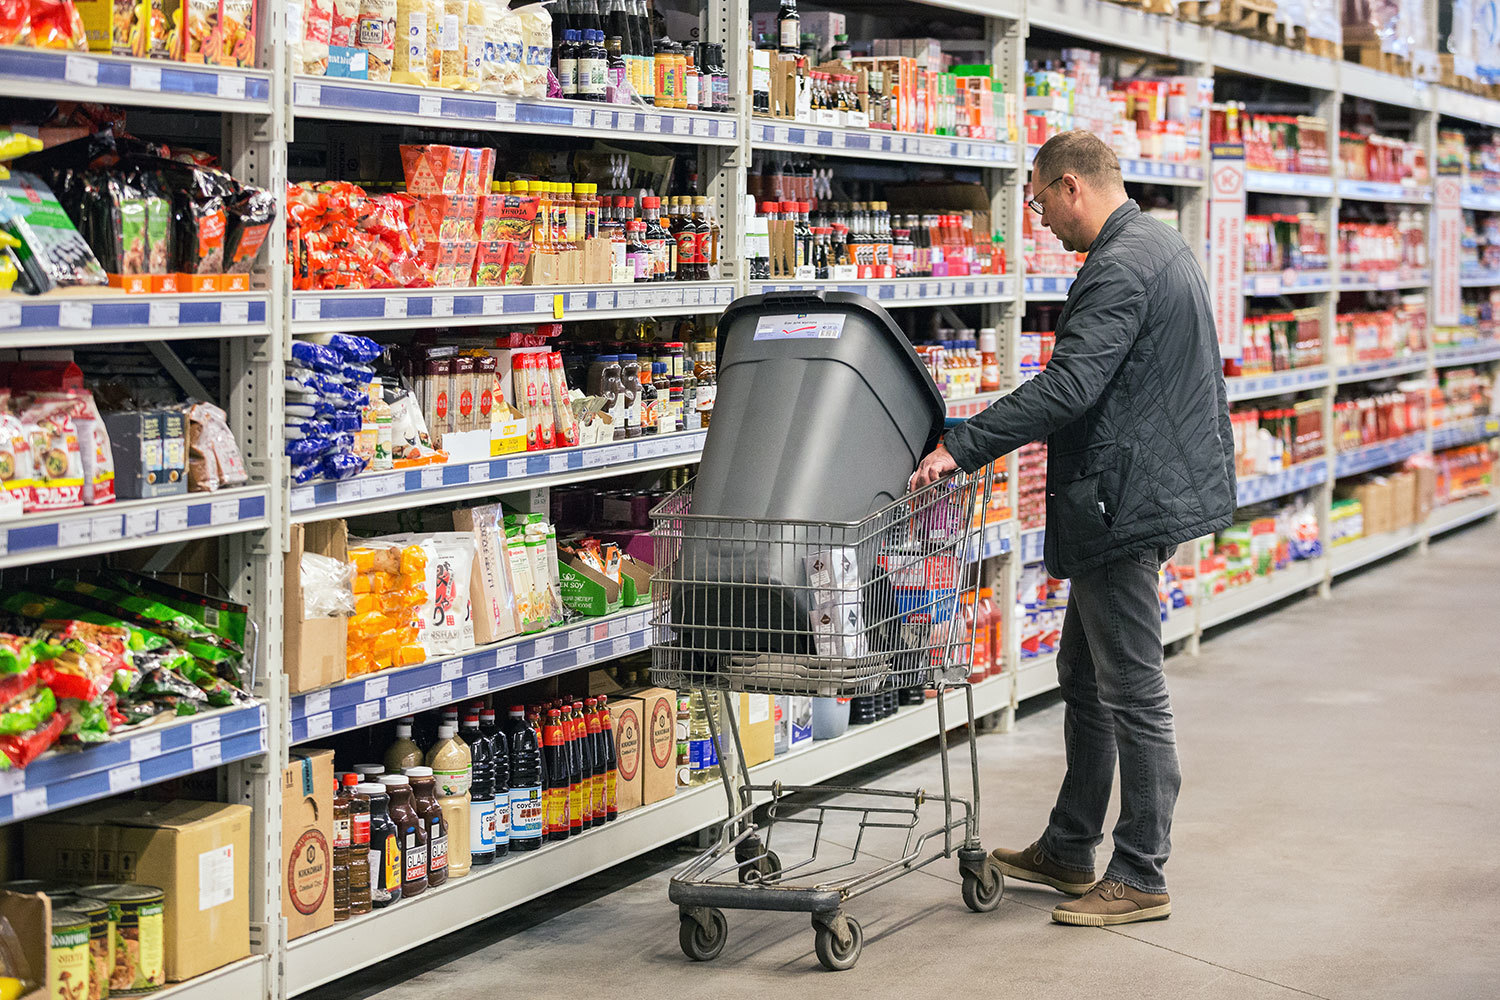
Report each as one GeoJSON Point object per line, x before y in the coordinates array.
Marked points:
{"type": "Point", "coordinates": [313, 650]}
{"type": "Point", "coordinates": [1404, 498]}
{"type": "Point", "coordinates": [659, 739]}
{"type": "Point", "coordinates": [757, 728]}
{"type": "Point", "coordinates": [197, 853]}
{"type": "Point", "coordinates": [307, 842]}
{"type": "Point", "coordinates": [626, 713]}
{"type": "Point", "coordinates": [31, 916]}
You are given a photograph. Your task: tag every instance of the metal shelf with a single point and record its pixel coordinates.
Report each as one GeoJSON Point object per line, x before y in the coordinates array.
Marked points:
{"type": "Point", "coordinates": [1179, 624]}
{"type": "Point", "coordinates": [1459, 513]}
{"type": "Point", "coordinates": [1466, 354]}
{"type": "Point", "coordinates": [1399, 194]}
{"type": "Point", "coordinates": [1357, 281]}
{"type": "Point", "coordinates": [1480, 198]}
{"type": "Point", "coordinates": [1036, 676]}
{"type": "Point", "coordinates": [391, 694]}
{"type": "Point", "coordinates": [1387, 88]}
{"type": "Point", "coordinates": [1281, 584]}
{"type": "Point", "coordinates": [1363, 551]}
{"type": "Point", "coordinates": [1119, 26]}
{"type": "Point", "coordinates": [1288, 283]}
{"type": "Point", "coordinates": [1377, 456]}
{"type": "Point", "coordinates": [1030, 544]}
{"type": "Point", "coordinates": [1177, 174]}
{"type": "Point", "coordinates": [1466, 431]}
{"type": "Point", "coordinates": [51, 74]}
{"type": "Point", "coordinates": [1479, 279]}
{"type": "Point", "coordinates": [880, 144]}
{"type": "Point", "coordinates": [994, 540]}
{"type": "Point", "coordinates": [1048, 287]}
{"type": "Point", "coordinates": [422, 308]}
{"type": "Point", "coordinates": [1274, 62]}
{"type": "Point", "coordinates": [907, 291]}
{"type": "Point", "coordinates": [1259, 386]}
{"type": "Point", "coordinates": [1307, 185]}
{"type": "Point", "coordinates": [129, 524]}
{"type": "Point", "coordinates": [381, 491]}
{"type": "Point", "coordinates": [244, 980]}
{"type": "Point", "coordinates": [343, 100]}
{"type": "Point", "coordinates": [64, 778]}
{"type": "Point", "coordinates": [1255, 489]}
{"type": "Point", "coordinates": [106, 317]}
{"type": "Point", "coordinates": [1470, 107]}
{"type": "Point", "coordinates": [1366, 371]}
{"type": "Point", "coordinates": [969, 406]}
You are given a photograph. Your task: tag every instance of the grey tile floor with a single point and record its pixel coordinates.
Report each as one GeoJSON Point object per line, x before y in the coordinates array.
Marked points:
{"type": "Point", "coordinates": [1338, 836]}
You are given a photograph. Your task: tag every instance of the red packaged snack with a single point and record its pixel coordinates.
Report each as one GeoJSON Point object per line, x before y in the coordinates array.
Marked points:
{"type": "Point", "coordinates": [15, 22]}
{"type": "Point", "coordinates": [489, 263]}
{"type": "Point", "coordinates": [55, 24]}
{"type": "Point", "coordinates": [433, 169]}
{"type": "Point", "coordinates": [517, 258]}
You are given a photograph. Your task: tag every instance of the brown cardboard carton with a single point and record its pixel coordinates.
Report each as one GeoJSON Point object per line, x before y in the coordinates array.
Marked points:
{"type": "Point", "coordinates": [1404, 502]}
{"type": "Point", "coordinates": [627, 715]}
{"type": "Point", "coordinates": [597, 264]}
{"type": "Point", "coordinates": [31, 916]}
{"type": "Point", "coordinates": [1377, 501]}
{"type": "Point", "coordinates": [307, 842]}
{"type": "Point", "coordinates": [1426, 490]}
{"type": "Point", "coordinates": [659, 741]}
{"type": "Point", "coordinates": [313, 649]}
{"type": "Point", "coordinates": [757, 728]}
{"type": "Point", "coordinates": [197, 853]}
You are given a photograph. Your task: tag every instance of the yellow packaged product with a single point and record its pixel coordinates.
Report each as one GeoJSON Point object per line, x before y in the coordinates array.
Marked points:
{"type": "Point", "coordinates": [408, 655]}
{"type": "Point", "coordinates": [474, 40]}
{"type": "Point", "coordinates": [416, 41]}
{"type": "Point", "coordinates": [447, 62]}
{"type": "Point", "coordinates": [413, 563]}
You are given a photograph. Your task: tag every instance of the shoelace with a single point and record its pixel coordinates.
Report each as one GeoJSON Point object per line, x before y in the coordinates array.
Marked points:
{"type": "Point", "coordinates": [1110, 889]}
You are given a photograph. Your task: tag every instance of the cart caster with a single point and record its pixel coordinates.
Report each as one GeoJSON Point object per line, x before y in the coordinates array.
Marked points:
{"type": "Point", "coordinates": [763, 869]}
{"type": "Point", "coordinates": [982, 892]}
{"type": "Point", "coordinates": [702, 933]}
{"type": "Point", "coordinates": [837, 956]}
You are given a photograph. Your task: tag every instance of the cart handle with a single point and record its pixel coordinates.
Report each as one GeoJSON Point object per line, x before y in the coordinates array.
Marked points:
{"type": "Point", "coordinates": [951, 422]}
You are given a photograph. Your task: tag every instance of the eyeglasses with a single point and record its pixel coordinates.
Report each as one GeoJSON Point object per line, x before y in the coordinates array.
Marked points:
{"type": "Point", "coordinates": [1035, 204]}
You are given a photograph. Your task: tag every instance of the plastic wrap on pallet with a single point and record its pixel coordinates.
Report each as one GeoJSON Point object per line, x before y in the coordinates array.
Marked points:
{"type": "Point", "coordinates": [1323, 21]}
{"type": "Point", "coordinates": [1461, 40]}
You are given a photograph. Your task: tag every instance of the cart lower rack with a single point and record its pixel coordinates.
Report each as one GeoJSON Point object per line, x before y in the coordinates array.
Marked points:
{"type": "Point", "coordinates": [829, 610]}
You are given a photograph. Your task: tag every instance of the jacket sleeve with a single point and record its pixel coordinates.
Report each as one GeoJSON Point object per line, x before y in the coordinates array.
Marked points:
{"type": "Point", "coordinates": [1105, 320]}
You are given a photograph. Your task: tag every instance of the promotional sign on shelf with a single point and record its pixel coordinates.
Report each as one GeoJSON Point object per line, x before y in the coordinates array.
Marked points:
{"type": "Point", "coordinates": [1226, 253]}
{"type": "Point", "coordinates": [1447, 234]}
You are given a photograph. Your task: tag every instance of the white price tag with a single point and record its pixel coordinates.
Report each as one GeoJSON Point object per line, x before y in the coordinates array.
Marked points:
{"type": "Point", "coordinates": [432, 479]}
{"type": "Point", "coordinates": [234, 314]}
{"type": "Point", "coordinates": [604, 300]}
{"type": "Point", "coordinates": [224, 511]}
{"type": "Point", "coordinates": [604, 119]}
{"type": "Point", "coordinates": [578, 300]}
{"type": "Point", "coordinates": [319, 725]}
{"type": "Point", "coordinates": [557, 463]}
{"type": "Point", "coordinates": [619, 646]}
{"type": "Point", "coordinates": [366, 712]}
{"type": "Point", "coordinates": [594, 457]}
{"type": "Point", "coordinates": [140, 522]}
{"type": "Point", "coordinates": [505, 111]}
{"type": "Point", "coordinates": [171, 519]}
{"type": "Point", "coordinates": [479, 472]}
{"type": "Point", "coordinates": [701, 126]}
{"type": "Point", "coordinates": [28, 803]}
{"type": "Point", "coordinates": [124, 778]}
{"type": "Point", "coordinates": [70, 533]}
{"type": "Point", "coordinates": [206, 756]}
{"type": "Point", "coordinates": [727, 129]}
{"type": "Point", "coordinates": [681, 126]}
{"type": "Point", "coordinates": [442, 694]}
{"type": "Point", "coordinates": [349, 490]}
{"type": "Point", "coordinates": [545, 644]}
{"type": "Point", "coordinates": [397, 705]}
{"type": "Point", "coordinates": [145, 78]}
{"type": "Point", "coordinates": [577, 638]}
{"type": "Point", "coordinates": [651, 123]}
{"type": "Point", "coordinates": [12, 781]}
{"type": "Point", "coordinates": [453, 669]}
{"type": "Point", "coordinates": [232, 86]}
{"type": "Point", "coordinates": [75, 315]}
{"type": "Point", "coordinates": [395, 307]}
{"type": "Point", "coordinates": [164, 313]}
{"type": "Point", "coordinates": [493, 305]}
{"type": "Point", "coordinates": [505, 656]}
{"type": "Point", "coordinates": [1267, 284]}
{"type": "Point", "coordinates": [583, 118]}
{"type": "Point", "coordinates": [515, 468]}
{"type": "Point", "coordinates": [628, 120]}
{"type": "Point", "coordinates": [532, 670]}
{"type": "Point", "coordinates": [476, 684]}
{"type": "Point", "coordinates": [304, 309]}
{"type": "Point", "coordinates": [82, 70]}
{"type": "Point", "coordinates": [10, 314]}
{"type": "Point", "coordinates": [308, 95]}
{"type": "Point", "coordinates": [318, 701]}
{"type": "Point", "coordinates": [108, 528]}
{"type": "Point", "coordinates": [429, 105]}
{"type": "Point", "coordinates": [205, 731]}
{"type": "Point", "coordinates": [442, 305]}
{"type": "Point", "coordinates": [376, 687]}
{"type": "Point", "coordinates": [421, 699]}
{"type": "Point", "coordinates": [145, 746]}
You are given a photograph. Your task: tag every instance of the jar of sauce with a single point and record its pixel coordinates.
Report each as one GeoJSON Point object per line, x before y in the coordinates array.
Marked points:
{"type": "Point", "coordinates": [386, 863]}
{"type": "Point", "coordinates": [425, 797]}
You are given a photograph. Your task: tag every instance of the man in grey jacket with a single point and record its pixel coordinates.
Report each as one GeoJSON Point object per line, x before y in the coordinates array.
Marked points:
{"type": "Point", "coordinates": [1139, 458]}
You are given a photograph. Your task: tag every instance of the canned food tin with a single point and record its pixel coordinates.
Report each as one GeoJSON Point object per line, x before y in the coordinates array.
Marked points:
{"type": "Point", "coordinates": [68, 966]}
{"type": "Point", "coordinates": [101, 941]}
{"type": "Point", "coordinates": [138, 912]}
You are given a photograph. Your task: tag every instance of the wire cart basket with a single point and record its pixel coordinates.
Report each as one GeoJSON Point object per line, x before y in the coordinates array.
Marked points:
{"type": "Point", "coordinates": [828, 610]}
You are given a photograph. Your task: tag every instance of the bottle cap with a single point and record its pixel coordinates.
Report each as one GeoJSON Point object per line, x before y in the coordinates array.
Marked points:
{"type": "Point", "coordinates": [394, 780]}
{"type": "Point", "coordinates": [350, 780]}
{"type": "Point", "coordinates": [370, 770]}
{"type": "Point", "coordinates": [447, 731]}
{"type": "Point", "coordinates": [403, 730]}
{"type": "Point", "coordinates": [518, 710]}
{"type": "Point", "coordinates": [370, 788]}
{"type": "Point", "coordinates": [418, 772]}
{"type": "Point", "coordinates": [471, 717]}
{"type": "Point", "coordinates": [651, 202]}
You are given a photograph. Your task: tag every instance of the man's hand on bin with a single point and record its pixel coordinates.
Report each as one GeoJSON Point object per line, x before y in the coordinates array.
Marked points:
{"type": "Point", "coordinates": [935, 466]}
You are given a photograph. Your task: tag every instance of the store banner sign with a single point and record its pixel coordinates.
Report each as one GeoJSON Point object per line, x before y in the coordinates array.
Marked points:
{"type": "Point", "coordinates": [1447, 236]}
{"type": "Point", "coordinates": [1226, 248]}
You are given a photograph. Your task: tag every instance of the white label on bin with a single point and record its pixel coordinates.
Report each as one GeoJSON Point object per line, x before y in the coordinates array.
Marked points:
{"type": "Point", "coordinates": [800, 326]}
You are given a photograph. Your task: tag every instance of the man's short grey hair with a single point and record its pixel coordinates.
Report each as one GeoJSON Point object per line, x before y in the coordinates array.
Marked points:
{"type": "Point", "coordinates": [1082, 153]}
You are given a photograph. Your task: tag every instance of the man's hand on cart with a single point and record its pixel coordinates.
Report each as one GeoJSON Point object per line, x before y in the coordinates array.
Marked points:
{"type": "Point", "coordinates": [935, 466]}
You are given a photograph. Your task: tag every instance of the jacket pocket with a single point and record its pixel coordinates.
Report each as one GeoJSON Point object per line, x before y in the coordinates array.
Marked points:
{"type": "Point", "coordinates": [1083, 503]}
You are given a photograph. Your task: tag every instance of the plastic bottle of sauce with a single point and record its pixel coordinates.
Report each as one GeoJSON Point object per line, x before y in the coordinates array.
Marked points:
{"type": "Point", "coordinates": [369, 772]}
{"type": "Point", "coordinates": [707, 375]}
{"type": "Point", "coordinates": [500, 762]}
{"type": "Point", "coordinates": [989, 373]}
{"type": "Point", "coordinates": [358, 877]}
{"type": "Point", "coordinates": [616, 401]}
{"type": "Point", "coordinates": [481, 793]}
{"type": "Point", "coordinates": [451, 763]}
{"type": "Point", "coordinates": [966, 609]}
{"type": "Point", "coordinates": [983, 640]}
{"type": "Point", "coordinates": [424, 797]}
{"type": "Point", "coordinates": [630, 380]}
{"type": "Point", "coordinates": [526, 783]}
{"type": "Point", "coordinates": [402, 753]}
{"type": "Point", "coordinates": [411, 831]}
{"type": "Point", "coordinates": [997, 631]}
{"type": "Point", "coordinates": [607, 741]}
{"type": "Point", "coordinates": [555, 750]}
{"type": "Point", "coordinates": [650, 408]}
{"type": "Point", "coordinates": [385, 848]}
{"type": "Point", "coordinates": [341, 825]}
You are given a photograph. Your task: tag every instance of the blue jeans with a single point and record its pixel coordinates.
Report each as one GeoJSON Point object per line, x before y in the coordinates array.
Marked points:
{"type": "Point", "coordinates": [1109, 667]}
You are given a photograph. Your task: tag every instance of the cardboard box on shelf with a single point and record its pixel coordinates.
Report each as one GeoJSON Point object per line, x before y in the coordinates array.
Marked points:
{"type": "Point", "coordinates": [793, 718]}
{"type": "Point", "coordinates": [757, 728]}
{"type": "Point", "coordinates": [1426, 490]}
{"type": "Point", "coordinates": [30, 914]}
{"type": "Point", "coordinates": [307, 842]}
{"type": "Point", "coordinates": [1377, 503]}
{"type": "Point", "coordinates": [1404, 499]}
{"type": "Point", "coordinates": [627, 715]}
{"type": "Point", "coordinates": [659, 742]}
{"type": "Point", "coordinates": [197, 853]}
{"type": "Point", "coordinates": [312, 648]}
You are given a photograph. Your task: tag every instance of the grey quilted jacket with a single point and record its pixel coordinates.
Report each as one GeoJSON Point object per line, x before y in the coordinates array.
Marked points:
{"type": "Point", "coordinates": [1132, 404]}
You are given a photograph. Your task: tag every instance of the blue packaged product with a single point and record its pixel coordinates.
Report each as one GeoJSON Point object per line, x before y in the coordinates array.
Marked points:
{"type": "Point", "coordinates": [315, 356]}
{"type": "Point", "coordinates": [306, 473]}
{"type": "Point", "coordinates": [355, 347]}
{"type": "Point", "coordinates": [348, 420]}
{"type": "Point", "coordinates": [342, 465]}
{"type": "Point", "coordinates": [303, 450]}
{"type": "Point", "coordinates": [307, 429]}
{"type": "Point", "coordinates": [301, 411]}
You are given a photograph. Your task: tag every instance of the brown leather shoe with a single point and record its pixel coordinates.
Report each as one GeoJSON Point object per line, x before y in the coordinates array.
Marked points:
{"type": "Point", "coordinates": [1033, 865]}
{"type": "Point", "coordinates": [1111, 903]}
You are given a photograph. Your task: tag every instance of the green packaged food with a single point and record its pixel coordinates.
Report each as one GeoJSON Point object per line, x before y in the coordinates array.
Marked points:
{"type": "Point", "coordinates": [53, 253]}
{"type": "Point", "coordinates": [225, 619]}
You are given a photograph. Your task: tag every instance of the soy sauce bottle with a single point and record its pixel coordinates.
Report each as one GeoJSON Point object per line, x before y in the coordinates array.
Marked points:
{"type": "Point", "coordinates": [481, 793]}
{"type": "Point", "coordinates": [500, 773]}
{"type": "Point", "coordinates": [577, 771]}
{"type": "Point", "coordinates": [555, 751]}
{"type": "Point", "coordinates": [527, 781]}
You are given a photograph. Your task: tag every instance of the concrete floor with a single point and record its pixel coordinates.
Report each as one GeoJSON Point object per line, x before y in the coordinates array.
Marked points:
{"type": "Point", "coordinates": [1338, 836]}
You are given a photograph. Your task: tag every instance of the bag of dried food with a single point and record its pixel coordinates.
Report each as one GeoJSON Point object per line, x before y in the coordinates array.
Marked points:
{"type": "Point", "coordinates": [214, 459]}
{"type": "Point", "coordinates": [376, 34]}
{"type": "Point", "coordinates": [536, 36]}
{"type": "Point", "coordinates": [416, 41]}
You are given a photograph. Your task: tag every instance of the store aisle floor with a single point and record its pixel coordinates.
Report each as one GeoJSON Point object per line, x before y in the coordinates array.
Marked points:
{"type": "Point", "coordinates": [1337, 837]}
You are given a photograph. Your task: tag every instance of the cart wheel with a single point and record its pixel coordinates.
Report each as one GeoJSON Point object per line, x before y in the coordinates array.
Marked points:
{"type": "Point", "coordinates": [700, 944]}
{"type": "Point", "coordinates": [979, 897]}
{"type": "Point", "coordinates": [765, 869]}
{"type": "Point", "coordinates": [748, 849]}
{"type": "Point", "coordinates": [836, 958]}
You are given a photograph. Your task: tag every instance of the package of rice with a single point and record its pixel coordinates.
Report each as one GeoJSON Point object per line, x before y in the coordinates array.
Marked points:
{"type": "Point", "coordinates": [510, 51]}
{"type": "Point", "coordinates": [376, 34]}
{"type": "Point", "coordinates": [536, 36]}
{"type": "Point", "coordinates": [416, 41]}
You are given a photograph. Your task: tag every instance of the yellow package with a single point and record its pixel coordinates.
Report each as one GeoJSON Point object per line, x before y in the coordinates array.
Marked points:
{"type": "Point", "coordinates": [416, 42]}
{"type": "Point", "coordinates": [413, 563]}
{"type": "Point", "coordinates": [408, 655]}
{"type": "Point", "coordinates": [234, 44]}
{"type": "Point", "coordinates": [474, 34]}
{"type": "Point", "coordinates": [446, 61]}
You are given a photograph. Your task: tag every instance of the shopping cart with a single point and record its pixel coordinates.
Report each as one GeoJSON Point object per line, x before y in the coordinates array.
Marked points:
{"type": "Point", "coordinates": [829, 610]}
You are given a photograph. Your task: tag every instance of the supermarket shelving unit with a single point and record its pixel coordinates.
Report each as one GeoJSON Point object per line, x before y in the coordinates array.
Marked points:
{"type": "Point", "coordinates": [259, 109]}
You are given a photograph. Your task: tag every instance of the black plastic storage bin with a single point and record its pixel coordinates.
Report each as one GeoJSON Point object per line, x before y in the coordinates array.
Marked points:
{"type": "Point", "coordinates": [823, 410]}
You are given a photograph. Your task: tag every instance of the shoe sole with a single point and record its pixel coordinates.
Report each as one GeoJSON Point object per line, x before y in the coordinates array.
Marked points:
{"type": "Point", "coordinates": [1111, 919]}
{"type": "Point", "coordinates": [1027, 875]}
